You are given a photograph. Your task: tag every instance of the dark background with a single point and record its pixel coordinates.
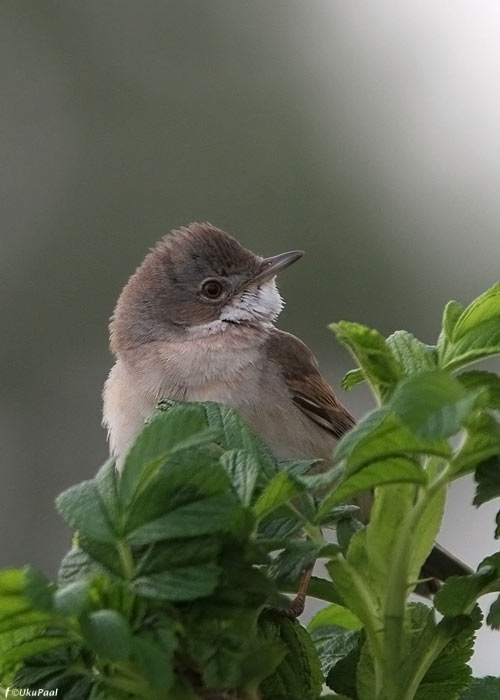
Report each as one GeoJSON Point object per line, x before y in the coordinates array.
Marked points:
{"type": "Point", "coordinates": [367, 134]}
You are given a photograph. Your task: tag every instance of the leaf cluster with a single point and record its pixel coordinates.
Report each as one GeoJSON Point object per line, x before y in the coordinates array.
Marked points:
{"type": "Point", "coordinates": [177, 585]}
{"type": "Point", "coordinates": [435, 422]}
{"type": "Point", "coordinates": [169, 590]}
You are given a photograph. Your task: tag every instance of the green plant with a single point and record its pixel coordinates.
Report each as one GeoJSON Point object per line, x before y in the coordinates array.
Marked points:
{"type": "Point", "coordinates": [175, 586]}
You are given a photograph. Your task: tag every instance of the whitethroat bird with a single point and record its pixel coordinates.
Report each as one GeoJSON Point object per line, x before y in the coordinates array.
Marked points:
{"type": "Point", "coordinates": [195, 322]}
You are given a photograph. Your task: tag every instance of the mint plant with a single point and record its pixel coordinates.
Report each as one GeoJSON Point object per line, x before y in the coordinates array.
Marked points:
{"type": "Point", "coordinates": [178, 583]}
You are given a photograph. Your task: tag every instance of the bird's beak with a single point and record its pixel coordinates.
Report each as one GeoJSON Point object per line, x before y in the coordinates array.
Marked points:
{"type": "Point", "coordinates": [271, 266]}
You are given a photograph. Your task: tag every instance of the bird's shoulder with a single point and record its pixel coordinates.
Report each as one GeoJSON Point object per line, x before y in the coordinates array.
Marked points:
{"type": "Point", "coordinates": [309, 389]}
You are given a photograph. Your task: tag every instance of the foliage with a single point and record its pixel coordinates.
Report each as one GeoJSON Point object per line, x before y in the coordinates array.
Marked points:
{"type": "Point", "coordinates": [175, 588]}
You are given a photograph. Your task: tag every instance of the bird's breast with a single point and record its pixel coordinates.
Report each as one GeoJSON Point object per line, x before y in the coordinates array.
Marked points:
{"type": "Point", "coordinates": [203, 364]}
{"type": "Point", "coordinates": [233, 373]}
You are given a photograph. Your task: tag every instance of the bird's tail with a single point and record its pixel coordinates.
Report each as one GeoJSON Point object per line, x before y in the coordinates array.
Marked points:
{"type": "Point", "coordinates": [439, 566]}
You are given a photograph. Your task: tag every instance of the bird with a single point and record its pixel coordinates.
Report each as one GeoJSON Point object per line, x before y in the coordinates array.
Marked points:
{"type": "Point", "coordinates": [196, 322]}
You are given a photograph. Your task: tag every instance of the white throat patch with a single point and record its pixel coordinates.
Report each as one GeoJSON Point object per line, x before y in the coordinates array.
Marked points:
{"type": "Point", "coordinates": [259, 304]}
{"type": "Point", "coordinates": [256, 304]}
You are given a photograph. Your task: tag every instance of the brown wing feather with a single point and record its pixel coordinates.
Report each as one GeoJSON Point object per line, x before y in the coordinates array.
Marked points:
{"type": "Point", "coordinates": [310, 392]}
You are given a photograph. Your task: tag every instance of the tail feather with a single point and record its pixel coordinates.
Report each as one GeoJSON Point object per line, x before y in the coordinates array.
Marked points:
{"type": "Point", "coordinates": [439, 566]}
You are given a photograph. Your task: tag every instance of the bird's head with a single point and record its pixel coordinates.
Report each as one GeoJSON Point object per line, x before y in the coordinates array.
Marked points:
{"type": "Point", "coordinates": [195, 282]}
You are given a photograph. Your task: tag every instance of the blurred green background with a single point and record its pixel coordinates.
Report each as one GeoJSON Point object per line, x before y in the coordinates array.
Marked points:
{"type": "Point", "coordinates": [366, 133]}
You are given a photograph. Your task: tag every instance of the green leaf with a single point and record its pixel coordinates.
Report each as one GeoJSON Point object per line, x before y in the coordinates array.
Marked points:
{"type": "Point", "coordinates": [446, 646]}
{"type": "Point", "coordinates": [81, 507]}
{"type": "Point", "coordinates": [487, 477]}
{"type": "Point", "coordinates": [56, 679]}
{"type": "Point", "coordinates": [338, 513]}
{"type": "Point", "coordinates": [314, 474]}
{"type": "Point", "coordinates": [387, 471]}
{"type": "Point", "coordinates": [452, 312]}
{"type": "Point", "coordinates": [223, 668]}
{"type": "Point", "coordinates": [336, 615]}
{"type": "Point", "coordinates": [379, 451]}
{"type": "Point", "coordinates": [344, 675]}
{"type": "Point", "coordinates": [243, 469]}
{"type": "Point", "coordinates": [485, 308]}
{"type": "Point", "coordinates": [107, 633]}
{"type": "Point", "coordinates": [493, 619]}
{"type": "Point", "coordinates": [486, 382]}
{"type": "Point", "coordinates": [282, 488]}
{"type": "Point", "coordinates": [333, 643]}
{"type": "Point", "coordinates": [475, 334]}
{"type": "Point", "coordinates": [481, 444]}
{"type": "Point", "coordinates": [439, 653]}
{"type": "Point", "coordinates": [346, 529]}
{"type": "Point", "coordinates": [352, 378]}
{"type": "Point", "coordinates": [459, 594]}
{"type": "Point", "coordinates": [201, 517]}
{"type": "Point", "coordinates": [79, 689]}
{"type": "Point", "coordinates": [218, 650]}
{"type": "Point", "coordinates": [236, 435]}
{"type": "Point", "coordinates": [368, 427]}
{"type": "Point", "coordinates": [38, 589]}
{"type": "Point", "coordinates": [433, 405]}
{"type": "Point", "coordinates": [487, 688]}
{"type": "Point", "coordinates": [152, 652]}
{"type": "Point", "coordinates": [242, 590]}
{"type": "Point", "coordinates": [475, 345]}
{"type": "Point", "coordinates": [106, 481]}
{"type": "Point", "coordinates": [374, 356]}
{"type": "Point", "coordinates": [104, 556]}
{"type": "Point", "coordinates": [280, 524]}
{"type": "Point", "coordinates": [78, 564]}
{"type": "Point", "coordinates": [381, 435]}
{"type": "Point", "coordinates": [17, 606]}
{"type": "Point", "coordinates": [72, 599]}
{"type": "Point", "coordinates": [299, 676]}
{"type": "Point", "coordinates": [179, 584]}
{"type": "Point", "coordinates": [261, 660]}
{"type": "Point", "coordinates": [23, 643]}
{"type": "Point", "coordinates": [413, 355]}
{"type": "Point", "coordinates": [323, 590]}
{"type": "Point", "coordinates": [55, 672]}
{"type": "Point", "coordinates": [449, 674]}
{"type": "Point", "coordinates": [174, 553]}
{"type": "Point", "coordinates": [295, 559]}
{"type": "Point", "coordinates": [181, 427]}
{"type": "Point", "coordinates": [186, 478]}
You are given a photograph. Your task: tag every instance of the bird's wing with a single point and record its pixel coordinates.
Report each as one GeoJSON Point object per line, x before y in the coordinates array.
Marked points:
{"type": "Point", "coordinates": [310, 392]}
{"type": "Point", "coordinates": [313, 395]}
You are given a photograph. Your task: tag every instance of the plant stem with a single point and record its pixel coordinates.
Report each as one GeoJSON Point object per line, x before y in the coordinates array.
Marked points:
{"type": "Point", "coordinates": [126, 559]}
{"type": "Point", "coordinates": [397, 592]}
{"type": "Point", "coordinates": [315, 534]}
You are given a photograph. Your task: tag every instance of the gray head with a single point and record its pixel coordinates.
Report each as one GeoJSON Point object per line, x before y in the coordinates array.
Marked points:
{"type": "Point", "coordinates": [197, 281]}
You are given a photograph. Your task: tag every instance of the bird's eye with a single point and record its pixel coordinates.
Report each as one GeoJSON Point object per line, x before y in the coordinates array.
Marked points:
{"type": "Point", "coordinates": [212, 289]}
